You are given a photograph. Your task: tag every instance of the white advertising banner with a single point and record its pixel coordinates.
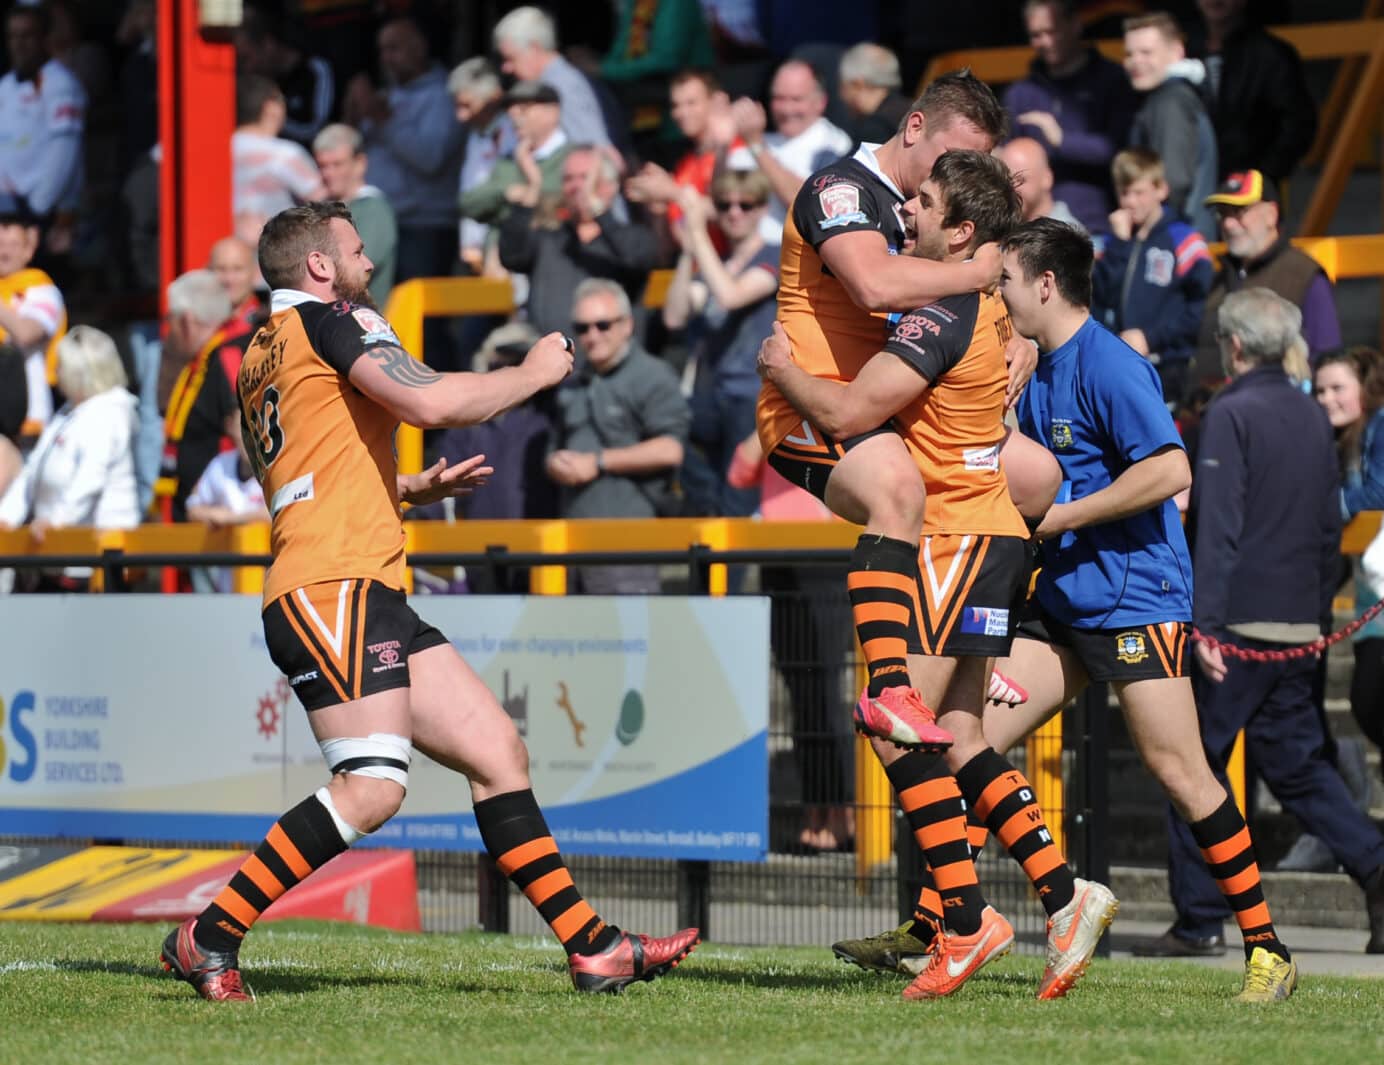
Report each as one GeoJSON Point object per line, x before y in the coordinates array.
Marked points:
{"type": "Point", "coordinates": [162, 717]}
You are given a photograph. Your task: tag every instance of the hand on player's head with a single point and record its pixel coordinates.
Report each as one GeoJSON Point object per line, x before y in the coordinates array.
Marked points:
{"type": "Point", "coordinates": [989, 258]}
{"type": "Point", "coordinates": [550, 359]}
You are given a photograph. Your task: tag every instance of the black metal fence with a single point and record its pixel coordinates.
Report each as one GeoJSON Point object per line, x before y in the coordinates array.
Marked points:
{"type": "Point", "coordinates": [811, 889]}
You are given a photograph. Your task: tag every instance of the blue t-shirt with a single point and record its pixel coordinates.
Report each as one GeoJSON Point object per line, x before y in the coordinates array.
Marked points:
{"type": "Point", "coordinates": [1096, 404]}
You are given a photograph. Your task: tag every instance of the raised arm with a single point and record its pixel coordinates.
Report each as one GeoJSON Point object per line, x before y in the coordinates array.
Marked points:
{"type": "Point", "coordinates": [878, 281]}
{"type": "Point", "coordinates": [415, 393]}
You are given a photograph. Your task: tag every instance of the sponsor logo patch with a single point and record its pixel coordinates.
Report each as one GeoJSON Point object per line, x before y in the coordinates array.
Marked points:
{"type": "Point", "coordinates": [840, 205]}
{"type": "Point", "coordinates": [985, 620]}
{"type": "Point", "coordinates": [982, 458]}
{"type": "Point", "coordinates": [374, 326]}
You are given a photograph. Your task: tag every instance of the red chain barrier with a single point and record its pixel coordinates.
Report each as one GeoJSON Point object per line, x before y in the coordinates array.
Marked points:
{"type": "Point", "coordinates": [1287, 654]}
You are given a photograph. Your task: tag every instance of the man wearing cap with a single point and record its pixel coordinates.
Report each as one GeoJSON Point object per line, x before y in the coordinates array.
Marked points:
{"type": "Point", "coordinates": [1259, 255]}
{"type": "Point", "coordinates": [33, 316]}
{"type": "Point", "coordinates": [534, 170]}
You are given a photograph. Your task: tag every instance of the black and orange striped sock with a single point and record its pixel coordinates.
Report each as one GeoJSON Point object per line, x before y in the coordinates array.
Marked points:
{"type": "Point", "coordinates": [304, 839]}
{"type": "Point", "coordinates": [937, 815]}
{"type": "Point", "coordinates": [517, 837]}
{"type": "Point", "coordinates": [927, 912]}
{"type": "Point", "coordinates": [976, 833]}
{"type": "Point", "coordinates": [883, 583]}
{"type": "Point", "coordinates": [1002, 798]}
{"type": "Point", "coordinates": [1229, 852]}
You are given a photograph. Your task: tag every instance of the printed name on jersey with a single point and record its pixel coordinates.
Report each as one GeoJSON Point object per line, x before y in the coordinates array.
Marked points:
{"type": "Point", "coordinates": [840, 205]}
{"type": "Point", "coordinates": [374, 326]}
{"type": "Point", "coordinates": [982, 458]}
{"type": "Point", "coordinates": [1159, 266]}
{"type": "Point", "coordinates": [1060, 434]}
{"type": "Point", "coordinates": [1131, 648]}
{"type": "Point", "coordinates": [985, 621]}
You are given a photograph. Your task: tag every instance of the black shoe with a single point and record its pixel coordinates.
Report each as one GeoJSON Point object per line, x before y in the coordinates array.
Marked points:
{"type": "Point", "coordinates": [1374, 907]}
{"type": "Point", "coordinates": [1172, 944]}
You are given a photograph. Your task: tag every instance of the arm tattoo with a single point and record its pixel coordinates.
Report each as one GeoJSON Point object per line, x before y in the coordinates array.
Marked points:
{"type": "Point", "coordinates": [399, 366]}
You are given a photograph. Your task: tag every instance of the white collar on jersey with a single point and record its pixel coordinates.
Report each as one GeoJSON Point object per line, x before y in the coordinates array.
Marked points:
{"type": "Point", "coordinates": [865, 156]}
{"type": "Point", "coordinates": [281, 299]}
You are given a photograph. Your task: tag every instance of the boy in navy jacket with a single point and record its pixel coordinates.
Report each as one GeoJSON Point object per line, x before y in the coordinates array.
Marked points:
{"type": "Point", "coordinates": [1150, 286]}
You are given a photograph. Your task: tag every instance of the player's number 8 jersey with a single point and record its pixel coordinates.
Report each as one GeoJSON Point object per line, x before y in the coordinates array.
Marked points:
{"type": "Point", "coordinates": [322, 450]}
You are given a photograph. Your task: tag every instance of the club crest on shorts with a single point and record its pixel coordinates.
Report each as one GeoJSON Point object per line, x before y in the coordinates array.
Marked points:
{"type": "Point", "coordinates": [1131, 648]}
{"type": "Point", "coordinates": [1061, 435]}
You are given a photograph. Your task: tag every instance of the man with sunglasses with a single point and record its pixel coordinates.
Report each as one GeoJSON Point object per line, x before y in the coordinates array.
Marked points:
{"type": "Point", "coordinates": [622, 427]}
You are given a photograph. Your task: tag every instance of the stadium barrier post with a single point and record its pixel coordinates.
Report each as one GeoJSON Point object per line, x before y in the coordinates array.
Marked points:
{"type": "Point", "coordinates": [492, 894]}
{"type": "Point", "coordinates": [1095, 803]}
{"type": "Point", "coordinates": [694, 875]}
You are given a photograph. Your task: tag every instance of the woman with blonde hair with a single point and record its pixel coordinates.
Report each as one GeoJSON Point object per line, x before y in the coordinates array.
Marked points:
{"type": "Point", "coordinates": [81, 472]}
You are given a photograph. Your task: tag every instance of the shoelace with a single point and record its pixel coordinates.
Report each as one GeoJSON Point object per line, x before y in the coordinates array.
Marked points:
{"type": "Point", "coordinates": [1260, 977]}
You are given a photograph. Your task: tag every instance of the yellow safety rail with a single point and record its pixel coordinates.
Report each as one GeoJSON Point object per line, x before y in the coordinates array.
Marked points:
{"type": "Point", "coordinates": [1358, 91]}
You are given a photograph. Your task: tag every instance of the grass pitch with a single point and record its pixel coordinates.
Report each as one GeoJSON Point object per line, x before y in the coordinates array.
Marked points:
{"type": "Point", "coordinates": [334, 993]}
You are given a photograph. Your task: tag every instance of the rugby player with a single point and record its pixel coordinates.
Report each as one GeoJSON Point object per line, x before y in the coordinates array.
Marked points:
{"type": "Point", "coordinates": [841, 274]}
{"type": "Point", "coordinates": [941, 379]}
{"type": "Point", "coordinates": [322, 390]}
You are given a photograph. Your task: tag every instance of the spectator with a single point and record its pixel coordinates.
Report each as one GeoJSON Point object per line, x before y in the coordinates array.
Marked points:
{"type": "Point", "coordinates": [803, 140]}
{"type": "Point", "coordinates": [869, 84]}
{"type": "Point", "coordinates": [14, 404]}
{"type": "Point", "coordinates": [138, 78]}
{"type": "Point", "coordinates": [1172, 119]}
{"type": "Point", "coordinates": [1258, 97]}
{"type": "Point", "coordinates": [226, 494]}
{"type": "Point", "coordinates": [1150, 286]}
{"type": "Point", "coordinates": [269, 173]}
{"type": "Point", "coordinates": [233, 263]}
{"type": "Point", "coordinates": [726, 303]}
{"type": "Point", "coordinates": [1028, 162]}
{"type": "Point", "coordinates": [42, 115]}
{"type": "Point", "coordinates": [621, 428]}
{"type": "Point", "coordinates": [81, 471]}
{"type": "Point", "coordinates": [1077, 104]}
{"type": "Point", "coordinates": [702, 113]}
{"type": "Point", "coordinates": [341, 159]}
{"type": "Point", "coordinates": [480, 107]}
{"type": "Point", "coordinates": [516, 443]}
{"type": "Point", "coordinates": [589, 243]}
{"type": "Point", "coordinates": [652, 42]}
{"type": "Point", "coordinates": [1258, 255]}
{"type": "Point", "coordinates": [532, 171]}
{"type": "Point", "coordinates": [526, 40]}
{"type": "Point", "coordinates": [32, 313]}
{"type": "Point", "coordinates": [414, 146]}
{"type": "Point", "coordinates": [275, 49]}
{"type": "Point", "coordinates": [1266, 527]}
{"type": "Point", "coordinates": [197, 381]}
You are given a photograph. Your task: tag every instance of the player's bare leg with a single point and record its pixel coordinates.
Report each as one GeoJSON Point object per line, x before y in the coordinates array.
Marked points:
{"type": "Point", "coordinates": [1051, 675]}
{"type": "Point", "coordinates": [1033, 475]}
{"type": "Point", "coordinates": [877, 484]}
{"type": "Point", "coordinates": [459, 723]}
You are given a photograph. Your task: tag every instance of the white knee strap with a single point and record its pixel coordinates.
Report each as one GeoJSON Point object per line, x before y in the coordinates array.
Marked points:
{"type": "Point", "coordinates": [380, 755]}
{"type": "Point", "coordinates": [349, 833]}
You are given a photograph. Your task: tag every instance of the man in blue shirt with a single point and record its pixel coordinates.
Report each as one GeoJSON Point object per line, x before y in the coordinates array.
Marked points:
{"type": "Point", "coordinates": [1113, 601]}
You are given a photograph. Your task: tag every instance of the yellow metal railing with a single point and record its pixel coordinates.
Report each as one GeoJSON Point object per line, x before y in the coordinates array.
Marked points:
{"type": "Point", "coordinates": [1346, 121]}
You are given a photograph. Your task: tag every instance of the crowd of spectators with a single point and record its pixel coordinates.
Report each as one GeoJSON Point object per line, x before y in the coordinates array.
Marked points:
{"type": "Point", "coordinates": [573, 152]}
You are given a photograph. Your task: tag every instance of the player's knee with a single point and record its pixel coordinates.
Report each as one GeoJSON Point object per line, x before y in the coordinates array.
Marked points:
{"type": "Point", "coordinates": [899, 501]}
{"type": "Point", "coordinates": [374, 772]}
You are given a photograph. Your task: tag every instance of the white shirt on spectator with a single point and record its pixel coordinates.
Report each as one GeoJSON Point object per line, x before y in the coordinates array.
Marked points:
{"type": "Point", "coordinates": [821, 143]}
{"type": "Point", "coordinates": [484, 148]}
{"type": "Point", "coordinates": [42, 305]}
{"type": "Point", "coordinates": [41, 137]}
{"type": "Point", "coordinates": [220, 486]}
{"type": "Point", "coordinates": [270, 174]}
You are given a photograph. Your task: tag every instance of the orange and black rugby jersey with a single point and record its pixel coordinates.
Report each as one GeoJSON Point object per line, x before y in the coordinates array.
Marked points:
{"type": "Point", "coordinates": [954, 430]}
{"type": "Point", "coordinates": [832, 337]}
{"type": "Point", "coordinates": [322, 450]}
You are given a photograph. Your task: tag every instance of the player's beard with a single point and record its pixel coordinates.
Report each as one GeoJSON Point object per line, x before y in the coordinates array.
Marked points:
{"type": "Point", "coordinates": [355, 290]}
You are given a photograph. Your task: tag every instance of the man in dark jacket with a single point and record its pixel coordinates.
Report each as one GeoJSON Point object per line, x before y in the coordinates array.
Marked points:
{"type": "Point", "coordinates": [1172, 119]}
{"type": "Point", "coordinates": [1257, 96]}
{"type": "Point", "coordinates": [1266, 526]}
{"type": "Point", "coordinates": [1077, 104]}
{"type": "Point", "coordinates": [1150, 285]}
{"type": "Point", "coordinates": [591, 241]}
